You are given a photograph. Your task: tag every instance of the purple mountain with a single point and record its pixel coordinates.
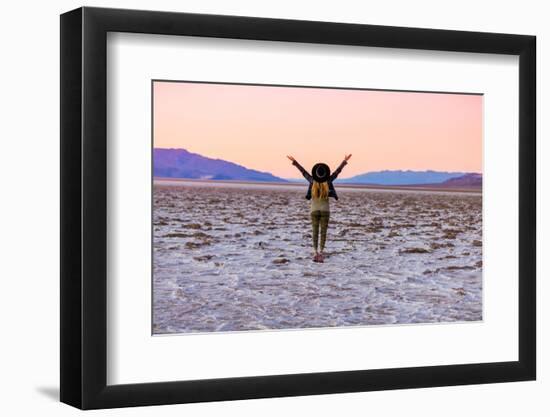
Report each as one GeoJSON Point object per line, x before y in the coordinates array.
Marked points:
{"type": "Point", "coordinates": [399, 177]}
{"type": "Point", "coordinates": [467, 180]}
{"type": "Point", "coordinates": [180, 163]}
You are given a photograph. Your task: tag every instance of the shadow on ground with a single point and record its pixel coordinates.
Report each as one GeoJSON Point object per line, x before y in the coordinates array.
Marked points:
{"type": "Point", "coordinates": [50, 392]}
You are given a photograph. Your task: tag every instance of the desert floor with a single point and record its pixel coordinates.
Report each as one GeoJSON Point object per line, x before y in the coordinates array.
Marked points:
{"type": "Point", "coordinates": [239, 257]}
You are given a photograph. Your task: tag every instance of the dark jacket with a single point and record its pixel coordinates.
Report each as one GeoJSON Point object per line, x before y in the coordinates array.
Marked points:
{"type": "Point", "coordinates": [309, 178]}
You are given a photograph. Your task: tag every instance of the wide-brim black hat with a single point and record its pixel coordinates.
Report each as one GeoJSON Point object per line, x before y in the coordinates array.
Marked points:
{"type": "Point", "coordinates": [320, 172]}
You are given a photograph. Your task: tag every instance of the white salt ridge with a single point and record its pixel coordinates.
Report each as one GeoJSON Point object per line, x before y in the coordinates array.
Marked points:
{"type": "Point", "coordinates": [240, 258]}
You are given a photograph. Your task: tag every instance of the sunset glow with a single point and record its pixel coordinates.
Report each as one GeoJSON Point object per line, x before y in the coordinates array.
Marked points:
{"type": "Point", "coordinates": [257, 126]}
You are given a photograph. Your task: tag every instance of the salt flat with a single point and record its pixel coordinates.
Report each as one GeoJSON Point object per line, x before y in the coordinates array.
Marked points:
{"type": "Point", "coordinates": [234, 257]}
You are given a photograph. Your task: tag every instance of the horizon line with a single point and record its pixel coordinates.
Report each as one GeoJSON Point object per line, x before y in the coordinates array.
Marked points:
{"type": "Point", "coordinates": [347, 178]}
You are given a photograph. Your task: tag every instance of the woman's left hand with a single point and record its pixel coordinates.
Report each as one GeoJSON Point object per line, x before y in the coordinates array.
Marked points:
{"type": "Point", "coordinates": [347, 157]}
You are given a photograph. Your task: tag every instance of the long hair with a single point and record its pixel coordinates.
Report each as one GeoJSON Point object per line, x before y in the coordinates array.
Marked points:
{"type": "Point", "coordinates": [319, 190]}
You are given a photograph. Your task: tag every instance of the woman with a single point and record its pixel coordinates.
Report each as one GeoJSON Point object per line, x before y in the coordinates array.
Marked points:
{"type": "Point", "coordinates": [319, 190]}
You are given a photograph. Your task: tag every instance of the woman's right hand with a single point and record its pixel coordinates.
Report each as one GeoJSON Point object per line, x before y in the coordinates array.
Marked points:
{"type": "Point", "coordinates": [291, 158]}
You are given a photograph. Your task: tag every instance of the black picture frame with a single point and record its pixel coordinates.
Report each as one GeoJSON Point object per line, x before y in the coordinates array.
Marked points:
{"type": "Point", "coordinates": [83, 153]}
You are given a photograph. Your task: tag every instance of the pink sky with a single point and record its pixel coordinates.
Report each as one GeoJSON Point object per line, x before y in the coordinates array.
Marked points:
{"type": "Point", "coordinates": [257, 126]}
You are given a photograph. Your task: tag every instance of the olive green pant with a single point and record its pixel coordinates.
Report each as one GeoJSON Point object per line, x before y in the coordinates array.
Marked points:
{"type": "Point", "coordinates": [319, 218]}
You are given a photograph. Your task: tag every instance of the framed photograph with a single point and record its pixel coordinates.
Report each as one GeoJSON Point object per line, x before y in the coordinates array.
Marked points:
{"type": "Point", "coordinates": [257, 207]}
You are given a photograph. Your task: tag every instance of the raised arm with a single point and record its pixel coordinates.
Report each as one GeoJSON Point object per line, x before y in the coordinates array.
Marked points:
{"type": "Point", "coordinates": [306, 174]}
{"type": "Point", "coordinates": [335, 174]}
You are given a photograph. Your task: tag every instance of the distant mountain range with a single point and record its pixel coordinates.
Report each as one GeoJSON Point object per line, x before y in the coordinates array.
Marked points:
{"type": "Point", "coordinates": [467, 180]}
{"type": "Point", "coordinates": [402, 177]}
{"type": "Point", "coordinates": [180, 163]}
